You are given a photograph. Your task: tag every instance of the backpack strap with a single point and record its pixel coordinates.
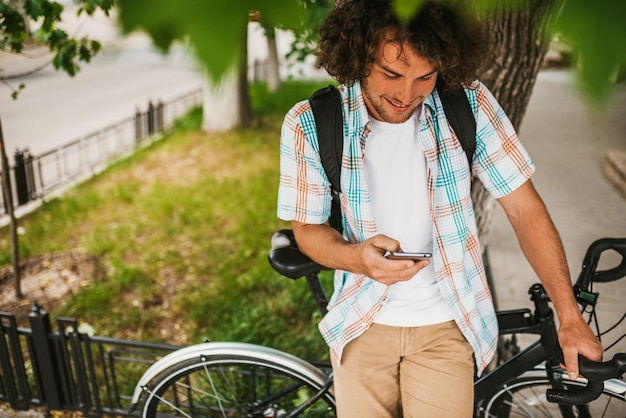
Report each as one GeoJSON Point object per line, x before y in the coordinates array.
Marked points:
{"type": "Point", "coordinates": [326, 106]}
{"type": "Point", "coordinates": [459, 113]}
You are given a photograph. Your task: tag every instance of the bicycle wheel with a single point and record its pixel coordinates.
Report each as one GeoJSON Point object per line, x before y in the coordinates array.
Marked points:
{"type": "Point", "coordinates": [235, 386]}
{"type": "Point", "coordinates": [526, 397]}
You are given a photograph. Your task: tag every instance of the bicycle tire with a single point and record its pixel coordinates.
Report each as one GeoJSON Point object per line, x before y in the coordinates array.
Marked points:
{"type": "Point", "coordinates": [234, 386]}
{"type": "Point", "coordinates": [526, 397]}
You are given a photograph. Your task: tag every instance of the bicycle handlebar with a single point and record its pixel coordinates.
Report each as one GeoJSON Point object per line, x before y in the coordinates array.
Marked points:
{"type": "Point", "coordinates": [595, 373]}
{"type": "Point", "coordinates": [589, 272]}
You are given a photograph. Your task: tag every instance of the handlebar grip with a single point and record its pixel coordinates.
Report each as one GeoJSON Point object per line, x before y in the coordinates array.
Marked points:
{"type": "Point", "coordinates": [589, 270]}
{"type": "Point", "coordinates": [578, 396]}
{"type": "Point", "coordinates": [596, 373]}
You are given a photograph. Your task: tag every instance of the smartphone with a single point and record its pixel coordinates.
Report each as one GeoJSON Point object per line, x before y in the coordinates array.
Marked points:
{"type": "Point", "coordinates": [393, 255]}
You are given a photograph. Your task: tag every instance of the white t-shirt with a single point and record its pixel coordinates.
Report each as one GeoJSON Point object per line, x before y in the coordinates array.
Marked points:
{"type": "Point", "coordinates": [395, 171]}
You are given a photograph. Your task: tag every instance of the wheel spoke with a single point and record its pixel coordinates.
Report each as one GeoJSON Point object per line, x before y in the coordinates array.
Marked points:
{"type": "Point", "coordinates": [168, 403]}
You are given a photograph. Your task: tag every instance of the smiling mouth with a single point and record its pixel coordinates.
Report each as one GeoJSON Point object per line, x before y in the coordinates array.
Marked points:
{"type": "Point", "coordinates": [397, 105]}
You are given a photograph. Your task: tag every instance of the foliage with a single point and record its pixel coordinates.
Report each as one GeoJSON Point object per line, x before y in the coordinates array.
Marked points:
{"type": "Point", "coordinates": [215, 30]}
{"type": "Point", "coordinates": [47, 14]}
{"type": "Point", "coordinates": [305, 42]}
{"type": "Point", "coordinates": [598, 34]}
{"type": "Point", "coordinates": [182, 229]}
{"type": "Point", "coordinates": [595, 29]}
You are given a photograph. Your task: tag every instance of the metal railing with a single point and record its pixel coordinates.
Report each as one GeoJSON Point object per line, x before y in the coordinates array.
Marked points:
{"type": "Point", "coordinates": [36, 177]}
{"type": "Point", "coordinates": [66, 370]}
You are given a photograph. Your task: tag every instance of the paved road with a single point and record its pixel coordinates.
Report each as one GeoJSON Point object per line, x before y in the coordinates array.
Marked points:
{"type": "Point", "coordinates": [54, 109]}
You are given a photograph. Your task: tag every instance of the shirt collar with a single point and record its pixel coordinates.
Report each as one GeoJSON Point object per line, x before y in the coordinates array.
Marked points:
{"type": "Point", "coordinates": [356, 108]}
{"type": "Point", "coordinates": [432, 101]}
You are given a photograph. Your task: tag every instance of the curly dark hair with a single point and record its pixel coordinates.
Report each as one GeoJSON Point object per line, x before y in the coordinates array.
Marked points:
{"type": "Point", "coordinates": [441, 31]}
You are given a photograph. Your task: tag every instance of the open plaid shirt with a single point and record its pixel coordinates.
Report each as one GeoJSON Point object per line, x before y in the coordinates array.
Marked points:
{"type": "Point", "coordinates": [500, 162]}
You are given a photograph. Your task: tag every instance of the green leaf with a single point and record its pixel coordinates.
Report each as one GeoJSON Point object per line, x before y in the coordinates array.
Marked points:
{"type": "Point", "coordinates": [286, 14]}
{"type": "Point", "coordinates": [91, 6]}
{"type": "Point", "coordinates": [487, 5]}
{"type": "Point", "coordinates": [95, 46]}
{"type": "Point", "coordinates": [216, 29]}
{"type": "Point", "coordinates": [13, 28]}
{"type": "Point", "coordinates": [33, 8]}
{"type": "Point", "coordinates": [51, 12]}
{"type": "Point", "coordinates": [55, 39]}
{"type": "Point", "coordinates": [405, 9]}
{"type": "Point", "coordinates": [84, 53]}
{"type": "Point", "coordinates": [598, 33]}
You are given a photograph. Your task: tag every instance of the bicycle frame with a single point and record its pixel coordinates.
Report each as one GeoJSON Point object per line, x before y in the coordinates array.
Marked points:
{"type": "Point", "coordinates": [515, 322]}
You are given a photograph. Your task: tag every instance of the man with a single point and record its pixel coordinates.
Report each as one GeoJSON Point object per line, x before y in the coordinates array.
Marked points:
{"type": "Point", "coordinates": [406, 336]}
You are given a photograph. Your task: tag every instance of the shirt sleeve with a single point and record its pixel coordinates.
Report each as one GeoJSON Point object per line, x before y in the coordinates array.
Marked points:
{"type": "Point", "coordinates": [501, 162]}
{"type": "Point", "coordinates": [304, 191]}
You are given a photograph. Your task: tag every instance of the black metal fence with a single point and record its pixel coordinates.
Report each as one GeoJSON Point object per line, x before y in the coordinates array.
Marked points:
{"type": "Point", "coordinates": [35, 177]}
{"type": "Point", "coordinates": [66, 370]}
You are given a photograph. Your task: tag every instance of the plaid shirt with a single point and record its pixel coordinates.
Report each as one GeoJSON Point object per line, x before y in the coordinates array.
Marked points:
{"type": "Point", "coordinates": [500, 162]}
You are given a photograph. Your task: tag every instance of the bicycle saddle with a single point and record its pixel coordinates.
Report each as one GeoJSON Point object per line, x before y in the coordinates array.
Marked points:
{"type": "Point", "coordinates": [286, 258]}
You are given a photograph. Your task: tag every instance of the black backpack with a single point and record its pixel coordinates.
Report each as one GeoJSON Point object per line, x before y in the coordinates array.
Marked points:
{"type": "Point", "coordinates": [326, 106]}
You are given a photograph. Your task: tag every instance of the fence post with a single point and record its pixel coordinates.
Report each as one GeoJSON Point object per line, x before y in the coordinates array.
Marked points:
{"type": "Point", "coordinates": [150, 118]}
{"type": "Point", "coordinates": [21, 182]}
{"type": "Point", "coordinates": [160, 122]}
{"type": "Point", "coordinates": [138, 127]}
{"type": "Point", "coordinates": [13, 374]}
{"type": "Point", "coordinates": [45, 364]}
{"type": "Point", "coordinates": [30, 175]}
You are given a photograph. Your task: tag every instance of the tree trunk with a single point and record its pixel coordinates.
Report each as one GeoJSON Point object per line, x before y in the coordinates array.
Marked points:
{"type": "Point", "coordinates": [226, 103]}
{"type": "Point", "coordinates": [519, 39]}
{"type": "Point", "coordinates": [221, 103]}
{"type": "Point", "coordinates": [273, 74]}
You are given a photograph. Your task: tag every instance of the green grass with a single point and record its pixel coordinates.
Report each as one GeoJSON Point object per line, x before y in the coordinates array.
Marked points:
{"type": "Point", "coordinates": [182, 229]}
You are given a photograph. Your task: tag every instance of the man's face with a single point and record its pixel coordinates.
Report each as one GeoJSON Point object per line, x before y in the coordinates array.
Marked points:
{"type": "Point", "coordinates": [398, 82]}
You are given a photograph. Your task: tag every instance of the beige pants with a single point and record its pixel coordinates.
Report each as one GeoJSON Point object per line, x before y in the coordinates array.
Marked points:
{"type": "Point", "coordinates": [406, 372]}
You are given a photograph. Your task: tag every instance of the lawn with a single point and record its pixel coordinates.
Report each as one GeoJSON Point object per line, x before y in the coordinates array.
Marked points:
{"type": "Point", "coordinates": [179, 234]}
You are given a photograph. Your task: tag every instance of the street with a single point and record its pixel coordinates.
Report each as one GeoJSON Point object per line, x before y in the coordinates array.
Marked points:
{"type": "Point", "coordinates": [55, 109]}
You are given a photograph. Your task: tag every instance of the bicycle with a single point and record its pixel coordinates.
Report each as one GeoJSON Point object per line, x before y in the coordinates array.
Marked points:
{"type": "Point", "coordinates": [230, 379]}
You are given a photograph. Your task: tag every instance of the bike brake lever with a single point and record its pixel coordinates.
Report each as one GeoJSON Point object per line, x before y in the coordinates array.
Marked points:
{"type": "Point", "coordinates": [595, 373]}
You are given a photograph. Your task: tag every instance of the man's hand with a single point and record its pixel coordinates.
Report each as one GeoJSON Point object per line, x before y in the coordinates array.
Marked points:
{"type": "Point", "coordinates": [327, 247]}
{"type": "Point", "coordinates": [576, 339]}
{"type": "Point", "coordinates": [372, 262]}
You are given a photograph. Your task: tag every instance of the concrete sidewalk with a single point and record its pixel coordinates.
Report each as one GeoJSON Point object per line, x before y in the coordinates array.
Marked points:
{"type": "Point", "coordinates": [569, 141]}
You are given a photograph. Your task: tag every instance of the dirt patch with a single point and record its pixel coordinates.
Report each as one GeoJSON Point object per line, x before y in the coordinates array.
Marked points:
{"type": "Point", "coordinates": [47, 280]}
